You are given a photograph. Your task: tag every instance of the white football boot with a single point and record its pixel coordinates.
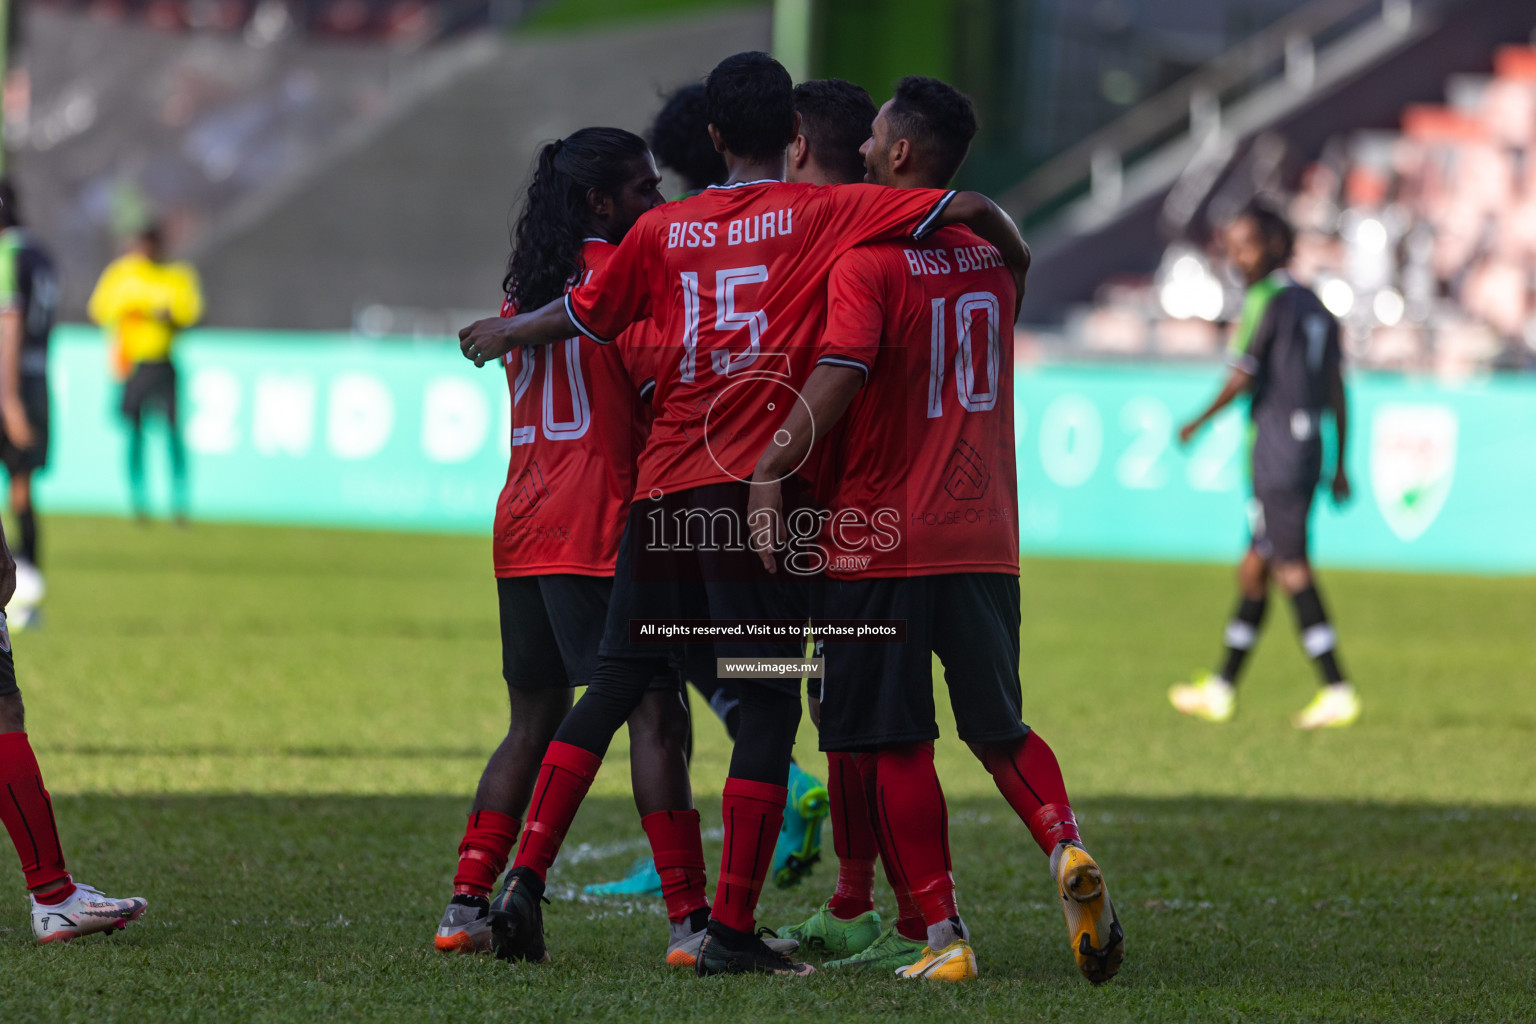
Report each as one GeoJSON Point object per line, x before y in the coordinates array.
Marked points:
{"type": "Point", "coordinates": [1210, 697]}
{"type": "Point", "coordinates": [1334, 707]}
{"type": "Point", "coordinates": [86, 911]}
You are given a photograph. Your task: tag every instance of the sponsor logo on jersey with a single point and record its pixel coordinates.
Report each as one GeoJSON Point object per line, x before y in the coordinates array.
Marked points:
{"type": "Point", "coordinates": [1413, 461]}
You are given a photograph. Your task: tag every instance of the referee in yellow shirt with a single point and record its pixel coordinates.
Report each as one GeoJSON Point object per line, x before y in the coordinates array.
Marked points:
{"type": "Point", "coordinates": [143, 302]}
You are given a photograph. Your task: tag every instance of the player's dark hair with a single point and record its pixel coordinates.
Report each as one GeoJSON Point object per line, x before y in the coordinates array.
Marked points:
{"type": "Point", "coordinates": [751, 102]}
{"type": "Point", "coordinates": [938, 119]}
{"type": "Point", "coordinates": [1272, 225]}
{"type": "Point", "coordinates": [835, 117]}
{"type": "Point", "coordinates": [555, 219]}
{"type": "Point", "coordinates": [680, 139]}
{"type": "Point", "coordinates": [10, 213]}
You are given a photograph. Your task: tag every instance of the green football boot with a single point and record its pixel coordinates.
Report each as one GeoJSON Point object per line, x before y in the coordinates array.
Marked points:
{"type": "Point", "coordinates": [829, 935]}
{"type": "Point", "coordinates": [890, 952]}
{"type": "Point", "coordinates": [799, 845]}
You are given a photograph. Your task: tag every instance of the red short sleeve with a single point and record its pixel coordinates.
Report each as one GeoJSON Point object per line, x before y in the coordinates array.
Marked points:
{"type": "Point", "coordinates": [609, 301]}
{"type": "Point", "coordinates": [855, 312]}
{"type": "Point", "coordinates": [869, 213]}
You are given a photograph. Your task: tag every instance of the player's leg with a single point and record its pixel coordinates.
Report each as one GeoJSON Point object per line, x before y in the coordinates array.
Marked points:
{"type": "Point", "coordinates": [658, 740]}
{"type": "Point", "coordinates": [878, 700]}
{"type": "Point", "coordinates": [1286, 515]}
{"type": "Point", "coordinates": [133, 415]}
{"type": "Point", "coordinates": [698, 669]}
{"type": "Point", "coordinates": [1336, 703]}
{"type": "Point", "coordinates": [25, 516]}
{"type": "Point", "coordinates": [847, 923]}
{"type": "Point", "coordinates": [61, 909]}
{"type": "Point", "coordinates": [180, 506]}
{"type": "Point", "coordinates": [977, 638]}
{"type": "Point", "coordinates": [538, 697]}
{"type": "Point", "coordinates": [642, 586]}
{"type": "Point", "coordinates": [1213, 696]}
{"type": "Point", "coordinates": [753, 799]}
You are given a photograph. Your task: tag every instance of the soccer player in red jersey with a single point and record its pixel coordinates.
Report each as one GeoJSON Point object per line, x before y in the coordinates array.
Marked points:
{"type": "Point", "coordinates": [734, 279]}
{"type": "Point", "coordinates": [923, 527]}
{"type": "Point", "coordinates": [62, 909]}
{"type": "Point", "coordinates": [679, 138]}
{"type": "Point", "coordinates": [577, 423]}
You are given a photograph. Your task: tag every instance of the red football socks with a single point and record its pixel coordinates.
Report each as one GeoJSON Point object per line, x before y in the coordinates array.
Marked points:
{"type": "Point", "coordinates": [27, 813]}
{"type": "Point", "coordinates": [488, 839]}
{"type": "Point", "coordinates": [564, 779]}
{"type": "Point", "coordinates": [853, 838]}
{"type": "Point", "coordinates": [754, 813]}
{"type": "Point", "coordinates": [1030, 780]}
{"type": "Point", "coordinates": [912, 824]}
{"type": "Point", "coordinates": [678, 850]}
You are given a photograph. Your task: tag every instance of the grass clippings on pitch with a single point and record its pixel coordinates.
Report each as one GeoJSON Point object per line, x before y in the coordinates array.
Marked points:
{"type": "Point", "coordinates": [273, 735]}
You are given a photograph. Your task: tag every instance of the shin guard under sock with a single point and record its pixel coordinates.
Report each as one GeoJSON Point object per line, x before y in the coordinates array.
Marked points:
{"type": "Point", "coordinates": [1030, 780]}
{"type": "Point", "coordinates": [853, 838]}
{"type": "Point", "coordinates": [564, 778]}
{"type": "Point", "coordinates": [912, 826]}
{"type": "Point", "coordinates": [488, 839]}
{"type": "Point", "coordinates": [678, 850]}
{"type": "Point", "coordinates": [753, 813]}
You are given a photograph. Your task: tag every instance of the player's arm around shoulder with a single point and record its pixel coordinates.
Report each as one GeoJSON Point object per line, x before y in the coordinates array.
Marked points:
{"type": "Point", "coordinates": [993, 224]}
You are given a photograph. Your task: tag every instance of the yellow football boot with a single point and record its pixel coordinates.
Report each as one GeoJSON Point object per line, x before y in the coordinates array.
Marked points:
{"type": "Point", "coordinates": [1098, 942]}
{"type": "Point", "coordinates": [955, 962]}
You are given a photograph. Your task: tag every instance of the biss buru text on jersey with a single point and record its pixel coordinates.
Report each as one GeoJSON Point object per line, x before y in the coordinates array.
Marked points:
{"type": "Point", "coordinates": [693, 234]}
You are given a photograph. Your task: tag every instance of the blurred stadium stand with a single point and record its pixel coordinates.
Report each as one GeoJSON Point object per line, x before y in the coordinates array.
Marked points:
{"type": "Point", "coordinates": [1417, 219]}
{"type": "Point", "coordinates": [319, 182]}
{"type": "Point", "coordinates": [335, 164]}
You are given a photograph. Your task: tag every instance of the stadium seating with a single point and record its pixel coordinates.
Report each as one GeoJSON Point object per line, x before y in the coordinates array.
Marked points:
{"type": "Point", "coordinates": [1422, 240]}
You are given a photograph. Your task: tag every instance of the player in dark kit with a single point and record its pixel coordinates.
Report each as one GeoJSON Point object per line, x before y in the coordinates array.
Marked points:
{"type": "Point", "coordinates": [1286, 356]}
{"type": "Point", "coordinates": [734, 279]}
{"type": "Point", "coordinates": [578, 421]}
{"type": "Point", "coordinates": [923, 528]}
{"type": "Point", "coordinates": [29, 298]}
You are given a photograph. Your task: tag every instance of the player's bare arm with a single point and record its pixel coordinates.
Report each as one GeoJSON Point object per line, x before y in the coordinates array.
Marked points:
{"type": "Point", "coordinates": [1238, 382]}
{"type": "Point", "coordinates": [1338, 402]}
{"type": "Point", "coordinates": [826, 395]}
{"type": "Point", "coordinates": [487, 340]}
{"type": "Point", "coordinates": [12, 410]}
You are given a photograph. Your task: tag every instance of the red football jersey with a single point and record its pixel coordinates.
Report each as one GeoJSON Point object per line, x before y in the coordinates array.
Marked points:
{"type": "Point", "coordinates": [578, 421]}
{"type": "Point", "coordinates": [734, 280]}
{"type": "Point", "coordinates": [925, 480]}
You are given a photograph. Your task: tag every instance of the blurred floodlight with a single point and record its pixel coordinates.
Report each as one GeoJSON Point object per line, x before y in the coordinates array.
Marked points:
{"type": "Point", "coordinates": [1189, 290]}
{"type": "Point", "coordinates": [1388, 306]}
{"type": "Point", "coordinates": [1337, 295]}
{"type": "Point", "coordinates": [1371, 235]}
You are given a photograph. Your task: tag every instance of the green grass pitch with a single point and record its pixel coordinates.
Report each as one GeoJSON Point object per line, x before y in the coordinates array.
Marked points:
{"type": "Point", "coordinates": [273, 735]}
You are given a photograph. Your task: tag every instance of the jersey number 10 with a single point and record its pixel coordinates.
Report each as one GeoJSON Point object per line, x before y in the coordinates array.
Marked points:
{"type": "Point", "coordinates": [968, 308]}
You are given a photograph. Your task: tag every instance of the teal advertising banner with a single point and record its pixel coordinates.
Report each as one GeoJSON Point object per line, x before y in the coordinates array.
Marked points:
{"type": "Point", "coordinates": [323, 429]}
{"type": "Point", "coordinates": [1444, 476]}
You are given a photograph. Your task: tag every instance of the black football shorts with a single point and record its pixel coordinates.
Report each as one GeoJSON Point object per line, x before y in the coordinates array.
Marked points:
{"type": "Point", "coordinates": [685, 556]}
{"type": "Point", "coordinates": [1279, 524]}
{"type": "Point", "coordinates": [881, 694]}
{"type": "Point", "coordinates": [34, 399]}
{"type": "Point", "coordinates": [150, 386]}
{"type": "Point", "coordinates": [551, 627]}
